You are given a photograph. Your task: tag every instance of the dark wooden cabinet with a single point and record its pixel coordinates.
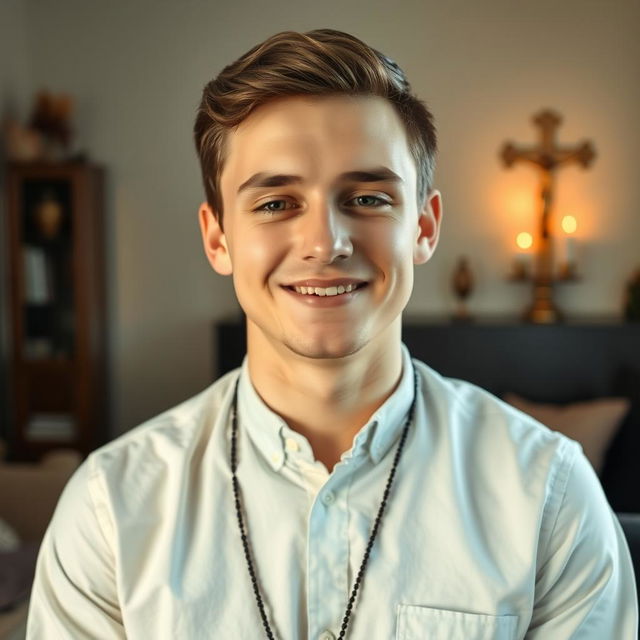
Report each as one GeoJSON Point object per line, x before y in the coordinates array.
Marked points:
{"type": "Point", "coordinates": [56, 285]}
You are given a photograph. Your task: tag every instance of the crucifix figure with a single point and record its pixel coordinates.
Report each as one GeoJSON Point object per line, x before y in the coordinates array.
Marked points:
{"type": "Point", "coordinates": [548, 157]}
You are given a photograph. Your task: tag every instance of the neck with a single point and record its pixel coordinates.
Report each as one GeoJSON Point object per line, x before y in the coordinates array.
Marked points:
{"type": "Point", "coordinates": [327, 400]}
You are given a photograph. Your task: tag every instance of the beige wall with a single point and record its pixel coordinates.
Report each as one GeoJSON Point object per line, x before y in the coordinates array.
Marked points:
{"type": "Point", "coordinates": [15, 89]}
{"type": "Point", "coordinates": [15, 58]}
{"type": "Point", "coordinates": [137, 70]}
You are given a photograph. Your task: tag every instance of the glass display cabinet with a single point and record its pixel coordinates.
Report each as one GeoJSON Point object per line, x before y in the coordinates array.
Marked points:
{"type": "Point", "coordinates": [57, 331]}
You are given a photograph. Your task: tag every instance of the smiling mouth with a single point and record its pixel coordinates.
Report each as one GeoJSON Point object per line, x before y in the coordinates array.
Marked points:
{"type": "Point", "coordinates": [327, 291]}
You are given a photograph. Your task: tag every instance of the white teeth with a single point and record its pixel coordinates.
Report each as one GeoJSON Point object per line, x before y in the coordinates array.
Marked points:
{"type": "Point", "coordinates": [328, 291]}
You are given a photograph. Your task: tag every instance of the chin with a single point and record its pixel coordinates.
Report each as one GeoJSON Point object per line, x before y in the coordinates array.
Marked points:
{"type": "Point", "coordinates": [323, 349]}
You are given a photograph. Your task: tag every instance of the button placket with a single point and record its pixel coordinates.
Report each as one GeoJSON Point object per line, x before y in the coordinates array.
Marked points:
{"type": "Point", "coordinates": [328, 522]}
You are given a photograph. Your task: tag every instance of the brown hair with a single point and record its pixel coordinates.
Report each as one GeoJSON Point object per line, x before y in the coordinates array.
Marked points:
{"type": "Point", "coordinates": [320, 62]}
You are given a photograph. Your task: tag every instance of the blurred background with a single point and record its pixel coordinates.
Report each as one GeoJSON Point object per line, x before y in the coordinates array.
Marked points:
{"type": "Point", "coordinates": [134, 73]}
{"type": "Point", "coordinates": [111, 314]}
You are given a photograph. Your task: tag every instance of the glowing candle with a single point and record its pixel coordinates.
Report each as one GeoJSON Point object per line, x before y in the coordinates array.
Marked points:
{"type": "Point", "coordinates": [569, 226]}
{"type": "Point", "coordinates": [523, 260]}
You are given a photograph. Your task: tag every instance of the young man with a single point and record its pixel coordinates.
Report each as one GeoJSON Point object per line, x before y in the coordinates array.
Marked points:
{"type": "Point", "coordinates": [332, 487]}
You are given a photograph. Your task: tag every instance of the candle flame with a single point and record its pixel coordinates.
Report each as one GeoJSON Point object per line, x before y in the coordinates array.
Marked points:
{"type": "Point", "coordinates": [524, 240]}
{"type": "Point", "coordinates": [569, 224]}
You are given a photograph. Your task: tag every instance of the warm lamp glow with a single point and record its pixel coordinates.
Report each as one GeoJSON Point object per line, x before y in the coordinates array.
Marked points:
{"type": "Point", "coordinates": [524, 240]}
{"type": "Point", "coordinates": [569, 224]}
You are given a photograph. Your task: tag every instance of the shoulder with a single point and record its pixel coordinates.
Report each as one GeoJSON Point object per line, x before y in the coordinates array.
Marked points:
{"type": "Point", "coordinates": [528, 470]}
{"type": "Point", "coordinates": [134, 482]}
{"type": "Point", "coordinates": [482, 425]}
{"type": "Point", "coordinates": [169, 440]}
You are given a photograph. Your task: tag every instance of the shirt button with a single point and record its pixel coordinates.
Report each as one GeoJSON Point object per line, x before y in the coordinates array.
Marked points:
{"type": "Point", "coordinates": [326, 635]}
{"type": "Point", "coordinates": [275, 458]}
{"type": "Point", "coordinates": [328, 498]}
{"type": "Point", "coordinates": [291, 444]}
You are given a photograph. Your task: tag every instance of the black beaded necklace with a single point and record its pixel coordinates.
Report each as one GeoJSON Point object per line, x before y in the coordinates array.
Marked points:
{"type": "Point", "coordinates": [374, 531]}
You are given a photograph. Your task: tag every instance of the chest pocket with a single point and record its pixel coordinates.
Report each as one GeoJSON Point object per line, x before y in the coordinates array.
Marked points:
{"type": "Point", "coordinates": [422, 623]}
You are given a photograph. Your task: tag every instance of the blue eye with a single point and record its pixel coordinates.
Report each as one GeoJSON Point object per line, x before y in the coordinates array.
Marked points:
{"type": "Point", "coordinates": [278, 206]}
{"type": "Point", "coordinates": [374, 201]}
{"type": "Point", "coordinates": [268, 207]}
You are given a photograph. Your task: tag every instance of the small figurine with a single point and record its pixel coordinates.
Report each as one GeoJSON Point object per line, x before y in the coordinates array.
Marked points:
{"type": "Point", "coordinates": [48, 216]}
{"type": "Point", "coordinates": [48, 134]}
{"type": "Point", "coordinates": [463, 286]}
{"type": "Point", "coordinates": [51, 116]}
{"type": "Point", "coordinates": [22, 144]}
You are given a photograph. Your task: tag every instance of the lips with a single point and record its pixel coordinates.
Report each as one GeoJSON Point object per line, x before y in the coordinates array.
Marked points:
{"type": "Point", "coordinates": [331, 297]}
{"type": "Point", "coordinates": [325, 284]}
{"type": "Point", "coordinates": [326, 291]}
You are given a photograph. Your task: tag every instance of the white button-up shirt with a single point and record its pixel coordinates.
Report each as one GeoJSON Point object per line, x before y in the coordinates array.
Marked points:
{"type": "Point", "coordinates": [495, 527]}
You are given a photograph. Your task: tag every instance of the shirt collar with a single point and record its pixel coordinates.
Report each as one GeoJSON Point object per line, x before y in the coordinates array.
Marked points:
{"type": "Point", "coordinates": [269, 431]}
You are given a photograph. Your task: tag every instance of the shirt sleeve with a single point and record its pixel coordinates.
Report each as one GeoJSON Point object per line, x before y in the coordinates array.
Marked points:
{"type": "Point", "coordinates": [585, 586]}
{"type": "Point", "coordinates": [74, 593]}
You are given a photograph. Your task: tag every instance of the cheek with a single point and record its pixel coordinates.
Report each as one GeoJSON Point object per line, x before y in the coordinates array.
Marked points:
{"type": "Point", "coordinates": [256, 254]}
{"type": "Point", "coordinates": [392, 248]}
{"type": "Point", "coordinates": [394, 257]}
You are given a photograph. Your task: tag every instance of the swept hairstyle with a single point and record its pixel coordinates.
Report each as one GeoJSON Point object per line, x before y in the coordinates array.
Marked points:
{"type": "Point", "coordinates": [319, 62]}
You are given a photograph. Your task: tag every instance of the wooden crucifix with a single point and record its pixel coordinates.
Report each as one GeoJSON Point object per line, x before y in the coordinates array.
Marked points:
{"type": "Point", "coordinates": [548, 157]}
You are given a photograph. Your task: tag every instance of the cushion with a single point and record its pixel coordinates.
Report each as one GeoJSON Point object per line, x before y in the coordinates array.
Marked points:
{"type": "Point", "coordinates": [9, 540]}
{"type": "Point", "coordinates": [17, 569]}
{"type": "Point", "coordinates": [592, 423]}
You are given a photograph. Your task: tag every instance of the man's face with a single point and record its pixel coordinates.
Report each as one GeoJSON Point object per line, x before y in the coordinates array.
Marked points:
{"type": "Point", "coordinates": [319, 199]}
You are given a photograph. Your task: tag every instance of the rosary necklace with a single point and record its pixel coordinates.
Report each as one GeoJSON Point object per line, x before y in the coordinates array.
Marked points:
{"type": "Point", "coordinates": [374, 531]}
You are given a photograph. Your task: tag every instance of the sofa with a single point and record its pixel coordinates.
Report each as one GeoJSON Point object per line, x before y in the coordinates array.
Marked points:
{"type": "Point", "coordinates": [28, 496]}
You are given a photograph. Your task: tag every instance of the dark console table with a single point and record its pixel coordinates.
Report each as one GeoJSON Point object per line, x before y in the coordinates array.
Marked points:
{"type": "Point", "coordinates": [557, 363]}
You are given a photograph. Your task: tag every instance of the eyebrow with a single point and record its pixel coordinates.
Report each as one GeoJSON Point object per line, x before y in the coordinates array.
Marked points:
{"type": "Point", "coordinates": [264, 179]}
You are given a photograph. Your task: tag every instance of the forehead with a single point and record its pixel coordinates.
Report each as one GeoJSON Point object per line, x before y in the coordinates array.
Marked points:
{"type": "Point", "coordinates": [317, 138]}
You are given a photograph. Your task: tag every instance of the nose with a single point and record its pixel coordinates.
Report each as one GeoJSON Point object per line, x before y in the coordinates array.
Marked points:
{"type": "Point", "coordinates": [326, 236]}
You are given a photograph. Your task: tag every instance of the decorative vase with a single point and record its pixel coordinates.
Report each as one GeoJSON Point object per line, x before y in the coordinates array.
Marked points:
{"type": "Point", "coordinates": [462, 283]}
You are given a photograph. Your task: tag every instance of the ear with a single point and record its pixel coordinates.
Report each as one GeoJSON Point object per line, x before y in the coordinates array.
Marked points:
{"type": "Point", "coordinates": [214, 241]}
{"type": "Point", "coordinates": [428, 230]}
